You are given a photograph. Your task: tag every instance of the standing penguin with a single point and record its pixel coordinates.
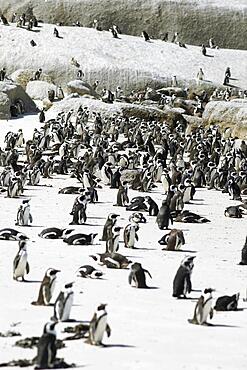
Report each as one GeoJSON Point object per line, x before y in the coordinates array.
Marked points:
{"type": "Point", "coordinates": [153, 209]}
{"type": "Point", "coordinates": [21, 266]}
{"type": "Point", "coordinates": [203, 308]}
{"type": "Point", "coordinates": [23, 214]}
{"type": "Point", "coordinates": [47, 349]}
{"type": "Point", "coordinates": [244, 254]}
{"type": "Point", "coordinates": [79, 211]}
{"type": "Point", "coordinates": [98, 326]}
{"type": "Point", "coordinates": [113, 242]}
{"type": "Point", "coordinates": [182, 281]}
{"type": "Point", "coordinates": [122, 195]}
{"type": "Point", "coordinates": [145, 36]}
{"type": "Point", "coordinates": [130, 235]}
{"type": "Point", "coordinates": [164, 216]}
{"type": "Point", "coordinates": [63, 303]}
{"type": "Point", "coordinates": [47, 288]}
{"type": "Point", "coordinates": [137, 275]}
{"type": "Point", "coordinates": [107, 231]}
{"type": "Point", "coordinates": [106, 173]}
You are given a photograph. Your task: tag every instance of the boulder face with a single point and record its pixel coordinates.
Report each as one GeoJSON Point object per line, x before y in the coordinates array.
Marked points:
{"type": "Point", "coordinates": [122, 109]}
{"type": "Point", "coordinates": [17, 95]}
{"type": "Point", "coordinates": [81, 87]}
{"type": "Point", "coordinates": [232, 114]}
{"type": "Point", "coordinates": [195, 20]}
{"type": "Point", "coordinates": [4, 106]}
{"type": "Point", "coordinates": [38, 90]}
{"type": "Point", "coordinates": [23, 76]}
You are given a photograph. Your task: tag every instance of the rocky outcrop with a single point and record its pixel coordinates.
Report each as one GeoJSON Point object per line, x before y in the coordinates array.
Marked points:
{"type": "Point", "coordinates": [81, 88]}
{"type": "Point", "coordinates": [4, 106]}
{"type": "Point", "coordinates": [117, 108]}
{"type": "Point", "coordinates": [17, 96]}
{"type": "Point", "coordinates": [195, 20]}
{"type": "Point", "coordinates": [232, 114]}
{"type": "Point", "coordinates": [23, 76]}
{"type": "Point", "coordinates": [38, 90]}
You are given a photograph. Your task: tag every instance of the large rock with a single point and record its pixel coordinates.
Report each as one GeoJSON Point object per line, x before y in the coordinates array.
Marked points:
{"type": "Point", "coordinates": [231, 114]}
{"type": "Point", "coordinates": [23, 76]}
{"type": "Point", "coordinates": [38, 90]}
{"type": "Point", "coordinates": [195, 20]}
{"type": "Point", "coordinates": [4, 106]}
{"type": "Point", "coordinates": [82, 88]}
{"type": "Point", "coordinates": [17, 94]}
{"type": "Point", "coordinates": [123, 109]}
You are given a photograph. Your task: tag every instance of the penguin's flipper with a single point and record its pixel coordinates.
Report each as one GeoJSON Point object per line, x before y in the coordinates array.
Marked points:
{"type": "Point", "coordinates": [148, 273]}
{"type": "Point", "coordinates": [108, 330]}
{"type": "Point", "coordinates": [130, 277]}
{"type": "Point", "coordinates": [211, 314]}
{"type": "Point", "coordinates": [16, 261]}
{"type": "Point", "coordinates": [27, 268]}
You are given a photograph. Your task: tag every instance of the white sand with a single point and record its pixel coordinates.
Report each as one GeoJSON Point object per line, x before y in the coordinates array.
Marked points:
{"type": "Point", "coordinates": [149, 327]}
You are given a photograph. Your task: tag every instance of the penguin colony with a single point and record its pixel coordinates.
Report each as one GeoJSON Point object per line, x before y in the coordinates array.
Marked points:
{"type": "Point", "coordinates": [153, 171]}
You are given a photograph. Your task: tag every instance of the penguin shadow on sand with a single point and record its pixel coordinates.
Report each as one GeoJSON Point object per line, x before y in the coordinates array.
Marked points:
{"type": "Point", "coordinates": [116, 345]}
{"type": "Point", "coordinates": [178, 250]}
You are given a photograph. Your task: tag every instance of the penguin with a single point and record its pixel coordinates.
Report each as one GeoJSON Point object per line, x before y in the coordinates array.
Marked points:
{"type": "Point", "coordinates": [93, 194]}
{"type": "Point", "coordinates": [63, 303]}
{"type": "Point", "coordinates": [137, 276]}
{"type": "Point", "coordinates": [137, 204]}
{"type": "Point", "coordinates": [145, 36]}
{"type": "Point", "coordinates": [203, 308]}
{"type": "Point", "coordinates": [234, 190]}
{"type": "Point", "coordinates": [191, 217]}
{"type": "Point", "coordinates": [122, 195]}
{"type": "Point", "coordinates": [189, 191]}
{"type": "Point", "coordinates": [153, 209]}
{"type": "Point", "coordinates": [21, 266]}
{"type": "Point", "coordinates": [227, 303]}
{"type": "Point", "coordinates": [244, 254]}
{"type": "Point", "coordinates": [233, 212]}
{"type": "Point", "coordinates": [164, 216]}
{"type": "Point", "coordinates": [79, 211]}
{"type": "Point", "coordinates": [46, 288]}
{"type": "Point", "coordinates": [98, 326]}
{"type": "Point", "coordinates": [14, 188]}
{"type": "Point", "coordinates": [182, 281]}
{"type": "Point", "coordinates": [80, 239]}
{"type": "Point", "coordinates": [106, 173]}
{"type": "Point", "coordinates": [86, 271]}
{"type": "Point", "coordinates": [70, 190]}
{"type": "Point", "coordinates": [130, 235]}
{"type": "Point", "coordinates": [24, 216]}
{"type": "Point", "coordinates": [166, 181]}
{"type": "Point", "coordinates": [113, 241]}
{"type": "Point", "coordinates": [34, 176]}
{"type": "Point", "coordinates": [55, 233]}
{"type": "Point", "coordinates": [112, 260]}
{"type": "Point", "coordinates": [174, 240]}
{"type": "Point", "coordinates": [138, 218]}
{"type": "Point", "coordinates": [110, 222]}
{"type": "Point", "coordinates": [46, 348]}
{"type": "Point", "coordinates": [12, 234]}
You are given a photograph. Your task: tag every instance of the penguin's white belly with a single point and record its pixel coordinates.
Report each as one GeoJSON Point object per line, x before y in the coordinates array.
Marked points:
{"type": "Point", "coordinates": [131, 242]}
{"type": "Point", "coordinates": [21, 267]}
{"type": "Point", "coordinates": [206, 310]}
{"type": "Point", "coordinates": [37, 179]}
{"type": "Point", "coordinates": [158, 174]}
{"type": "Point", "coordinates": [165, 184]}
{"type": "Point", "coordinates": [116, 244]}
{"type": "Point", "coordinates": [86, 182]}
{"type": "Point", "coordinates": [186, 196]}
{"type": "Point", "coordinates": [100, 330]}
{"type": "Point", "coordinates": [67, 308]}
{"type": "Point", "coordinates": [26, 218]}
{"type": "Point", "coordinates": [14, 191]}
{"type": "Point", "coordinates": [178, 243]}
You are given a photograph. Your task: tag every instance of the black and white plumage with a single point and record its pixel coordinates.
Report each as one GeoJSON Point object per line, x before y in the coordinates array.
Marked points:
{"type": "Point", "coordinates": [203, 308]}
{"type": "Point", "coordinates": [233, 212]}
{"type": "Point", "coordinates": [137, 276]}
{"type": "Point", "coordinates": [244, 254]}
{"type": "Point", "coordinates": [86, 271]}
{"type": "Point", "coordinates": [174, 240]}
{"type": "Point", "coordinates": [20, 265]}
{"type": "Point", "coordinates": [47, 287]}
{"type": "Point", "coordinates": [112, 260]}
{"type": "Point", "coordinates": [47, 350]}
{"type": "Point", "coordinates": [227, 303]}
{"type": "Point", "coordinates": [12, 234]}
{"type": "Point", "coordinates": [55, 233]}
{"type": "Point", "coordinates": [130, 235]}
{"type": "Point", "coordinates": [80, 239]}
{"type": "Point", "coordinates": [98, 326]}
{"type": "Point", "coordinates": [182, 281]}
{"type": "Point", "coordinates": [63, 303]}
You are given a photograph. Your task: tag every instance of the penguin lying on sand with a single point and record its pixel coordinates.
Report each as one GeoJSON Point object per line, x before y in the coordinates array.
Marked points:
{"type": "Point", "coordinates": [190, 217]}
{"type": "Point", "coordinates": [112, 260]}
{"type": "Point", "coordinates": [55, 233]}
{"type": "Point", "coordinates": [227, 303]}
{"type": "Point", "coordinates": [12, 234]}
{"type": "Point", "coordinates": [233, 212]}
{"type": "Point", "coordinates": [80, 239]}
{"type": "Point", "coordinates": [89, 271]}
